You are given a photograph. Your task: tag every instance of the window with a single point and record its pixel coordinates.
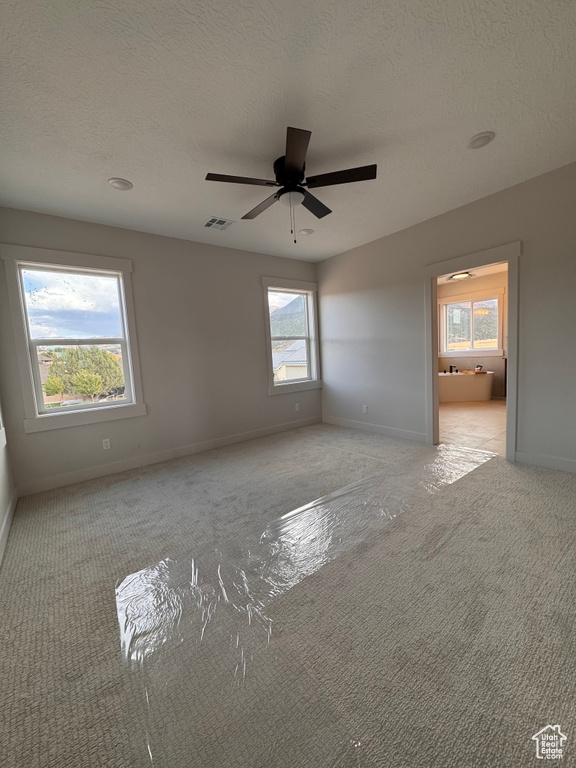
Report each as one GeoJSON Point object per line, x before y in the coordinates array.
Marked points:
{"type": "Point", "coordinates": [471, 326]}
{"type": "Point", "coordinates": [292, 335]}
{"type": "Point", "coordinates": [76, 347]}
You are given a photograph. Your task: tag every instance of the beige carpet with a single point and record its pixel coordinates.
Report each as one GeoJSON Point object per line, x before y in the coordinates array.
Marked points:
{"type": "Point", "coordinates": [446, 640]}
{"type": "Point", "coordinates": [449, 639]}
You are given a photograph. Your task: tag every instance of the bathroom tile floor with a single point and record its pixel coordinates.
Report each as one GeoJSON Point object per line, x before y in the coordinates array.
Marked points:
{"type": "Point", "coordinates": [475, 425]}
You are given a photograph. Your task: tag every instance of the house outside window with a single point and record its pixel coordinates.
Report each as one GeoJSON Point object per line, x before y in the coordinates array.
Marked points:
{"type": "Point", "coordinates": [471, 326]}
{"type": "Point", "coordinates": [74, 327]}
{"type": "Point", "coordinates": [292, 338]}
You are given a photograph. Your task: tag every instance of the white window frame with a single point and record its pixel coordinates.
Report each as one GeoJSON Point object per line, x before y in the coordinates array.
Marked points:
{"type": "Point", "coordinates": [2, 430]}
{"type": "Point", "coordinates": [298, 287]}
{"type": "Point", "coordinates": [36, 417]}
{"type": "Point", "coordinates": [471, 296]}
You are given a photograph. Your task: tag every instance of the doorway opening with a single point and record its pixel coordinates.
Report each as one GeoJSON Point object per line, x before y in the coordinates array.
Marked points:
{"type": "Point", "coordinates": [471, 345]}
{"type": "Point", "coordinates": [472, 357]}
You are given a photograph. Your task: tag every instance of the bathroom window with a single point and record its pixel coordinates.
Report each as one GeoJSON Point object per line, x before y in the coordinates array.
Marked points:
{"type": "Point", "coordinates": [471, 326]}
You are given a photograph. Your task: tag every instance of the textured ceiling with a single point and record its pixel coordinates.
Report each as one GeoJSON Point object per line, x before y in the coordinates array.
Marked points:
{"type": "Point", "coordinates": [163, 92]}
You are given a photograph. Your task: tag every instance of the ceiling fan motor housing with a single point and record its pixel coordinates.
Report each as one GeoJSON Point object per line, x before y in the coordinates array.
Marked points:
{"type": "Point", "coordinates": [284, 178]}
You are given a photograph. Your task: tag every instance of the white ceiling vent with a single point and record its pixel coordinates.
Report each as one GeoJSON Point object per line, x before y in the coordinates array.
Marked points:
{"type": "Point", "coordinates": [216, 223]}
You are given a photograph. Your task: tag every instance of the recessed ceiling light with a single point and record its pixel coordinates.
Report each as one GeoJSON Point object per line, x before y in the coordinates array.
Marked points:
{"type": "Point", "coordinates": [122, 184]}
{"type": "Point", "coordinates": [481, 139]}
{"type": "Point", "coordinates": [305, 231]}
{"type": "Point", "coordinates": [461, 276]}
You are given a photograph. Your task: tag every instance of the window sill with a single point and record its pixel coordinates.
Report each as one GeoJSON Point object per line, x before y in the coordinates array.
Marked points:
{"type": "Point", "coordinates": [473, 353]}
{"type": "Point", "coordinates": [79, 418]}
{"type": "Point", "coordinates": [297, 386]}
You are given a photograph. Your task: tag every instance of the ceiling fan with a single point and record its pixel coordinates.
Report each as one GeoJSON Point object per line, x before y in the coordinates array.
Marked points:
{"type": "Point", "coordinates": [289, 172]}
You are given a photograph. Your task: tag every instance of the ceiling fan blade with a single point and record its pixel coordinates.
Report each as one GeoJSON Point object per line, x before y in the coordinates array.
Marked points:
{"type": "Point", "coordinates": [315, 206]}
{"type": "Point", "coordinates": [296, 147]}
{"type": "Point", "coordinates": [240, 180]}
{"type": "Point", "coordinates": [364, 173]}
{"type": "Point", "coordinates": [261, 207]}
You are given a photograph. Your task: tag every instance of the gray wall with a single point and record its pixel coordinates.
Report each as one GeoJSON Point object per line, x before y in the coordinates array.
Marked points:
{"type": "Point", "coordinates": [200, 327]}
{"type": "Point", "coordinates": [373, 324]}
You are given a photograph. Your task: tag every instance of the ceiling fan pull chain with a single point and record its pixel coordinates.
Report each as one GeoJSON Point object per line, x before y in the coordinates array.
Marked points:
{"type": "Point", "coordinates": [293, 222]}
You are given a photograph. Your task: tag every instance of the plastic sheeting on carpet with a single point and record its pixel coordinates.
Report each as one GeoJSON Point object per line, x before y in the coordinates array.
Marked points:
{"type": "Point", "coordinates": [199, 644]}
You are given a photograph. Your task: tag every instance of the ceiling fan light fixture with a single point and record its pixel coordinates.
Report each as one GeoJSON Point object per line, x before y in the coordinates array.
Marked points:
{"type": "Point", "coordinates": [305, 231]}
{"type": "Point", "coordinates": [292, 198]}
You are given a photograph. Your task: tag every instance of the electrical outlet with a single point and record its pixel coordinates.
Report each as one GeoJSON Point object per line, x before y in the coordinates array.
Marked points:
{"type": "Point", "coordinates": [297, 406]}
{"type": "Point", "coordinates": [364, 409]}
{"type": "Point", "coordinates": [106, 444]}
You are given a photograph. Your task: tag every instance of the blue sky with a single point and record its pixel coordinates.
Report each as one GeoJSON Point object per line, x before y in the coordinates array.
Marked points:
{"type": "Point", "coordinates": [62, 305]}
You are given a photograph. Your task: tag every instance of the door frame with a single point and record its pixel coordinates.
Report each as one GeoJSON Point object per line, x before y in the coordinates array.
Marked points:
{"type": "Point", "coordinates": [510, 253]}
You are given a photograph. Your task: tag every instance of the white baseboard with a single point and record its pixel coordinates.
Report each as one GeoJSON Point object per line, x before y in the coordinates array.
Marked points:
{"type": "Point", "coordinates": [5, 528]}
{"type": "Point", "coordinates": [69, 478]}
{"type": "Point", "coordinates": [402, 434]}
{"type": "Point", "coordinates": [543, 460]}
